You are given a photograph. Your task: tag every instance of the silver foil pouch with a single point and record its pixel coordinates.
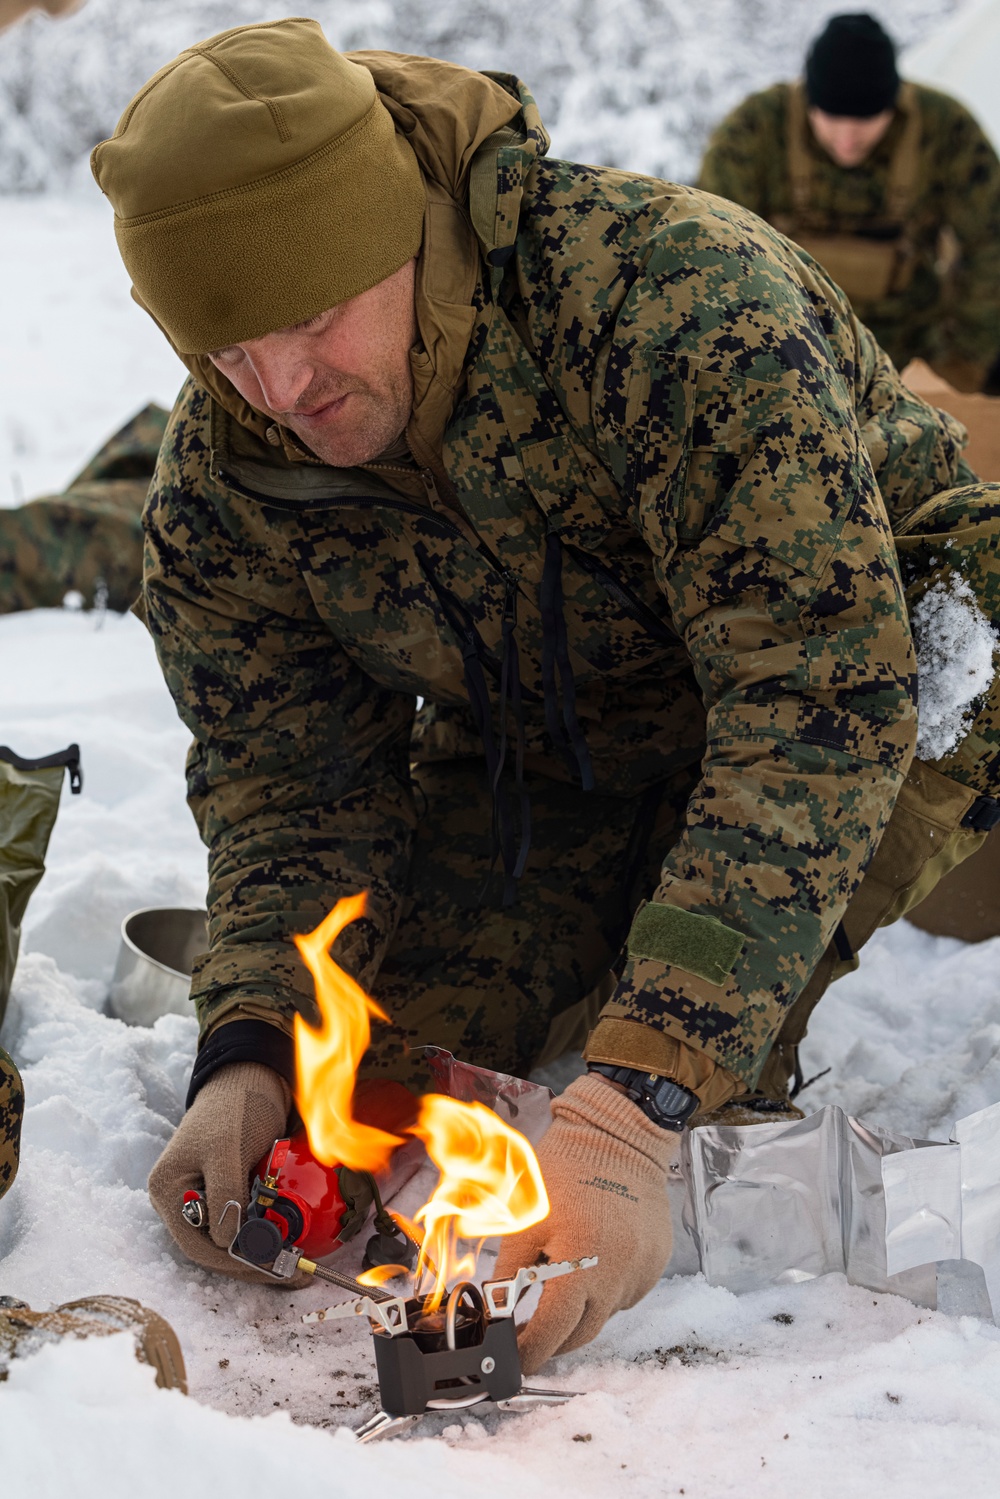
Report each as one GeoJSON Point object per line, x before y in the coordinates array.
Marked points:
{"type": "Point", "coordinates": [772, 1204]}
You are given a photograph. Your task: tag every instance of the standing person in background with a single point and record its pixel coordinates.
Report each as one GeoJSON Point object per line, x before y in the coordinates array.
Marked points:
{"type": "Point", "coordinates": [893, 187]}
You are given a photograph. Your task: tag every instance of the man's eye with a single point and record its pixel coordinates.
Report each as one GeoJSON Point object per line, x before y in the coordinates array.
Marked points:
{"type": "Point", "coordinates": [310, 322]}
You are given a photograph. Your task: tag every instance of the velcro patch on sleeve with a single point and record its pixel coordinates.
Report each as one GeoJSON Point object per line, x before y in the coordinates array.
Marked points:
{"type": "Point", "coordinates": [698, 944]}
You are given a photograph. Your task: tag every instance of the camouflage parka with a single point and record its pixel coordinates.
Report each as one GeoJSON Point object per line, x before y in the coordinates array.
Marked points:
{"type": "Point", "coordinates": [956, 189]}
{"type": "Point", "coordinates": [652, 449]}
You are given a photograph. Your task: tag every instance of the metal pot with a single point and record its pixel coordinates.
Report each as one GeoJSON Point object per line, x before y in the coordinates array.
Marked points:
{"type": "Point", "coordinates": [153, 973]}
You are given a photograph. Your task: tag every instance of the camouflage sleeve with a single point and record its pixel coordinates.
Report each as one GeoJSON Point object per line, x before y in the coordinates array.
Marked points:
{"type": "Point", "coordinates": [735, 163]}
{"type": "Point", "coordinates": [969, 186]}
{"type": "Point", "coordinates": [298, 775]}
{"type": "Point", "coordinates": [915, 449]}
{"type": "Point", "coordinates": [738, 448]}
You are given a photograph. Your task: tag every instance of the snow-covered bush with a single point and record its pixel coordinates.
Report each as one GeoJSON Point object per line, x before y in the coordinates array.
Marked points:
{"type": "Point", "coordinates": [636, 84]}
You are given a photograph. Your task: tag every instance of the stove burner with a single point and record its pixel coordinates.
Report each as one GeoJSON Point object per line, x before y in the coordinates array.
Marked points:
{"type": "Point", "coordinates": [448, 1356]}
{"type": "Point", "coordinates": [460, 1355]}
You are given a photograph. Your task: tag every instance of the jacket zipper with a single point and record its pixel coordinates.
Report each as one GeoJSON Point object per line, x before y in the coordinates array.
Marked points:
{"type": "Point", "coordinates": [332, 502]}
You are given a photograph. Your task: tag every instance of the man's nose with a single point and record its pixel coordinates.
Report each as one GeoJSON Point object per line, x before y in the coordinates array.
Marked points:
{"type": "Point", "coordinates": [283, 373]}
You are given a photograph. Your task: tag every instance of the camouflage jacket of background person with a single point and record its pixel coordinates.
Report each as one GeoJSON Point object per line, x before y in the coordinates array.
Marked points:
{"type": "Point", "coordinates": [649, 447]}
{"type": "Point", "coordinates": [952, 321]}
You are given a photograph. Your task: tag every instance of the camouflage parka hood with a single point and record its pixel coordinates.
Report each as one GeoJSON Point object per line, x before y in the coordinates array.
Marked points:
{"type": "Point", "coordinates": [451, 117]}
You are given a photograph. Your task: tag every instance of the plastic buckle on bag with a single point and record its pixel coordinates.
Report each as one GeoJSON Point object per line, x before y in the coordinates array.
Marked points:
{"type": "Point", "coordinates": [68, 758]}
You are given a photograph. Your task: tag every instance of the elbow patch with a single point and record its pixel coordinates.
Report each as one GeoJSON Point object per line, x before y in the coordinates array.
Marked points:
{"type": "Point", "coordinates": [698, 944]}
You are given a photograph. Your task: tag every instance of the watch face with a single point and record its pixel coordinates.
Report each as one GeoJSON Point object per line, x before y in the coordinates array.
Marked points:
{"type": "Point", "coordinates": [672, 1098]}
{"type": "Point", "coordinates": [669, 1103]}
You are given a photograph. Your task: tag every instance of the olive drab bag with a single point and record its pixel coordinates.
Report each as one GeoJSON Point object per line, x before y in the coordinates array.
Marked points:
{"type": "Point", "coordinates": [29, 801]}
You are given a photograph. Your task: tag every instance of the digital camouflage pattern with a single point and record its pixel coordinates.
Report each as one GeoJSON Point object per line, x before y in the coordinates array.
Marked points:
{"type": "Point", "coordinates": [958, 189]}
{"type": "Point", "coordinates": [951, 533]}
{"type": "Point", "coordinates": [89, 538]}
{"type": "Point", "coordinates": [486, 981]}
{"type": "Point", "coordinates": [11, 1115]}
{"type": "Point", "coordinates": [659, 472]}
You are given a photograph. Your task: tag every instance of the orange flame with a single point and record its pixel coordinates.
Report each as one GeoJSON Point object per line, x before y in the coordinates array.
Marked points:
{"type": "Point", "coordinates": [490, 1184]}
{"type": "Point", "coordinates": [326, 1059]}
{"type": "Point", "coordinates": [379, 1274]}
{"type": "Point", "coordinates": [490, 1181]}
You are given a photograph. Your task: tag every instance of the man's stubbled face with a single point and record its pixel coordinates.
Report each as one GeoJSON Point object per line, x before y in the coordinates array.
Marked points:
{"type": "Point", "coordinates": [847, 140]}
{"type": "Point", "coordinates": [341, 381]}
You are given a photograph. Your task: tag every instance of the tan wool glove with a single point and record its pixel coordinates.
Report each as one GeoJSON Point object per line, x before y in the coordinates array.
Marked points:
{"type": "Point", "coordinates": [605, 1167]}
{"type": "Point", "coordinates": [235, 1119]}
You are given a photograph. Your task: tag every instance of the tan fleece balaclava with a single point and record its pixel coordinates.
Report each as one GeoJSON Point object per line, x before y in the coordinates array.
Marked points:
{"type": "Point", "coordinates": [256, 181]}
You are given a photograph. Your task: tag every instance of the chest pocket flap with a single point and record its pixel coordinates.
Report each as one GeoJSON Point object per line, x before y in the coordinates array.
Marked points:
{"type": "Point", "coordinates": [575, 491]}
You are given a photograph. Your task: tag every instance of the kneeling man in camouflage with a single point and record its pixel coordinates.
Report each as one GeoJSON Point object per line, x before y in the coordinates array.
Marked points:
{"type": "Point", "coordinates": [533, 546]}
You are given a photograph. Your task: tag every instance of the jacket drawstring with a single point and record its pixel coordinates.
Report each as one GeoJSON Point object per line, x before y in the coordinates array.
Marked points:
{"type": "Point", "coordinates": [479, 701]}
{"type": "Point", "coordinates": [555, 653]}
{"type": "Point", "coordinates": [510, 681]}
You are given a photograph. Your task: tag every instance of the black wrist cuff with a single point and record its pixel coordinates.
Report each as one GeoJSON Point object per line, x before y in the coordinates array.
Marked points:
{"type": "Point", "coordinates": [243, 1041]}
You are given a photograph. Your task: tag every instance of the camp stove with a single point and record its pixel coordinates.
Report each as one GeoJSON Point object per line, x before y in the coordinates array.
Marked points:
{"type": "Point", "coordinates": [464, 1353]}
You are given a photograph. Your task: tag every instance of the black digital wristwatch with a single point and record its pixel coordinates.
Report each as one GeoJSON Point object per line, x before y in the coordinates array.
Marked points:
{"type": "Point", "coordinates": [665, 1103]}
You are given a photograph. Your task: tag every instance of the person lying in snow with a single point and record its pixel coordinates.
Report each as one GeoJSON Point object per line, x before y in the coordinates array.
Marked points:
{"type": "Point", "coordinates": [521, 550]}
{"type": "Point", "coordinates": [88, 539]}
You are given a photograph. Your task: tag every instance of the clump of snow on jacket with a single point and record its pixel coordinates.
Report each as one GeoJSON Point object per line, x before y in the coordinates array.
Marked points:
{"type": "Point", "coordinates": [956, 647]}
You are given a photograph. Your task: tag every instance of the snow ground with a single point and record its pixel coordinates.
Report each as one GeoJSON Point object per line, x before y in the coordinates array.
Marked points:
{"type": "Point", "coordinates": [819, 1389]}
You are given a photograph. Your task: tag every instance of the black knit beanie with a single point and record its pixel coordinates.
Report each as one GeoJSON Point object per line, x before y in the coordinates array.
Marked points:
{"type": "Point", "coordinates": [851, 68]}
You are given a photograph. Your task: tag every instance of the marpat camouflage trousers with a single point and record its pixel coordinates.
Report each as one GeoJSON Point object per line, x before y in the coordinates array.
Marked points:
{"type": "Point", "coordinates": [11, 1112]}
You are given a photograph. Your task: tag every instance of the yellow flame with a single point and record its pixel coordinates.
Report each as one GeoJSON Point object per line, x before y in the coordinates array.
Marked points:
{"type": "Point", "coordinates": [412, 1230]}
{"type": "Point", "coordinates": [327, 1057]}
{"type": "Point", "coordinates": [379, 1274]}
{"type": "Point", "coordinates": [490, 1184]}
